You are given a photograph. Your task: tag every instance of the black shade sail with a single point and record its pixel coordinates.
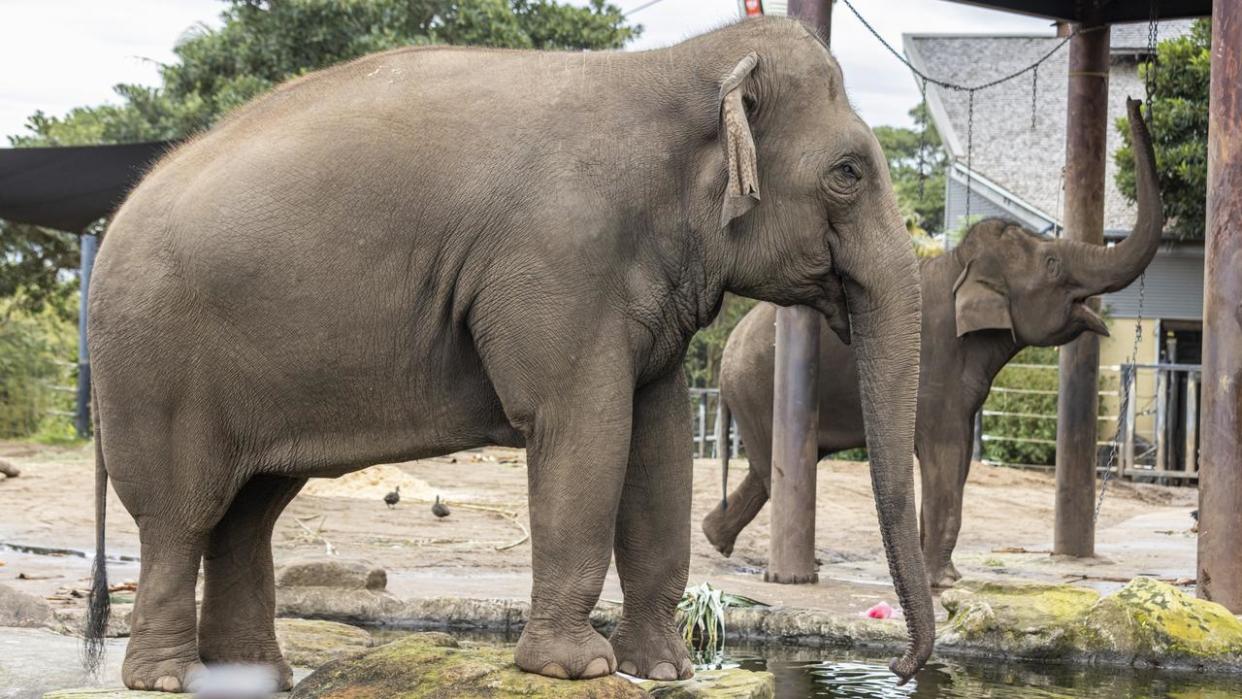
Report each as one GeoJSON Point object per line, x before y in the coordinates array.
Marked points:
{"type": "Point", "coordinates": [1101, 11]}
{"type": "Point", "coordinates": [68, 188]}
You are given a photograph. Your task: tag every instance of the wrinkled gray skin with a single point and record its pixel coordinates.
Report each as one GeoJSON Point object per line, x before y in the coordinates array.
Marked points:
{"type": "Point", "coordinates": [1003, 288]}
{"type": "Point", "coordinates": [433, 249]}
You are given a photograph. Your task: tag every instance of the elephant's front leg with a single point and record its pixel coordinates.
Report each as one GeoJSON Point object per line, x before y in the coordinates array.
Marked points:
{"type": "Point", "coordinates": [944, 463]}
{"type": "Point", "coordinates": [577, 453]}
{"type": "Point", "coordinates": [653, 533]}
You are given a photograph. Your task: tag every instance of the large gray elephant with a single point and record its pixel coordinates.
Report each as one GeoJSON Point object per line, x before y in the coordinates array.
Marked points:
{"type": "Point", "coordinates": [1003, 288]}
{"type": "Point", "coordinates": [433, 249]}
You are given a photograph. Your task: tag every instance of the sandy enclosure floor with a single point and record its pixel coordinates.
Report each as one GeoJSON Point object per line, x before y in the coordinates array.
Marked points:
{"type": "Point", "coordinates": [478, 551]}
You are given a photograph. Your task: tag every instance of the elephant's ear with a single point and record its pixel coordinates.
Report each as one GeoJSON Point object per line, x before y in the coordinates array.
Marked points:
{"type": "Point", "coordinates": [742, 192]}
{"type": "Point", "coordinates": [981, 300]}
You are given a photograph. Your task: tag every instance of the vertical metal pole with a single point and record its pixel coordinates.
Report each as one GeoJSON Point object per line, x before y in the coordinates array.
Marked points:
{"type": "Point", "coordinates": [1086, 152]}
{"type": "Point", "coordinates": [89, 243]}
{"type": "Point", "coordinates": [1162, 420]}
{"type": "Point", "coordinates": [702, 425]}
{"type": "Point", "coordinates": [1131, 379]}
{"type": "Point", "coordinates": [1220, 448]}
{"type": "Point", "coordinates": [795, 411]}
{"type": "Point", "coordinates": [1191, 464]}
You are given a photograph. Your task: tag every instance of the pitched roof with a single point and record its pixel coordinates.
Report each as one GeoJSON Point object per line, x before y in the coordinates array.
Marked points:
{"type": "Point", "coordinates": [1017, 135]}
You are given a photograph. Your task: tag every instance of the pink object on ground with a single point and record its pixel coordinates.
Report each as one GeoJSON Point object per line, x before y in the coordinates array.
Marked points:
{"type": "Point", "coordinates": [881, 610]}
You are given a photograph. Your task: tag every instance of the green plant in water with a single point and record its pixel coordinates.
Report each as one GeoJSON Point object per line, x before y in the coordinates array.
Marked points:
{"type": "Point", "coordinates": [700, 616]}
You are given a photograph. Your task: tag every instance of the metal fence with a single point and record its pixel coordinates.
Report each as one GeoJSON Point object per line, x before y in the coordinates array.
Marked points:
{"type": "Point", "coordinates": [1151, 420]}
{"type": "Point", "coordinates": [705, 413]}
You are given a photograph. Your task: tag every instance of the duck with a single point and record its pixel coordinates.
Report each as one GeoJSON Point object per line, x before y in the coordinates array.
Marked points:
{"type": "Point", "coordinates": [393, 497]}
{"type": "Point", "coordinates": [439, 509]}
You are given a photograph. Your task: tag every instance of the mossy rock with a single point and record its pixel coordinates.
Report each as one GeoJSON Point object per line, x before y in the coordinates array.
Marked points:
{"type": "Point", "coordinates": [716, 684]}
{"type": "Point", "coordinates": [1151, 619]}
{"type": "Point", "coordinates": [313, 642]}
{"type": "Point", "coordinates": [1147, 622]}
{"type": "Point", "coordinates": [435, 665]}
{"type": "Point", "coordinates": [1027, 619]}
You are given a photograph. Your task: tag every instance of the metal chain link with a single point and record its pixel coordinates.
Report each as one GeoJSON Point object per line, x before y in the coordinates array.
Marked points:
{"type": "Point", "coordinates": [970, 147]}
{"type": "Point", "coordinates": [923, 139]}
{"type": "Point", "coordinates": [1127, 395]}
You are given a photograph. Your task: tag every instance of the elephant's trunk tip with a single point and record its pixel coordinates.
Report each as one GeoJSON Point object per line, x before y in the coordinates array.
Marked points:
{"type": "Point", "coordinates": [908, 665]}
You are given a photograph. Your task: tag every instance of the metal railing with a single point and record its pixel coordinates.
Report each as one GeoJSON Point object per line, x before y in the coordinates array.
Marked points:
{"type": "Point", "coordinates": [705, 413]}
{"type": "Point", "coordinates": [1151, 420]}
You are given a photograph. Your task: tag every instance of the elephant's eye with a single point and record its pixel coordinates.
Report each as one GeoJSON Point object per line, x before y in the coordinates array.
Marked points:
{"type": "Point", "coordinates": [1053, 267]}
{"type": "Point", "coordinates": [849, 171]}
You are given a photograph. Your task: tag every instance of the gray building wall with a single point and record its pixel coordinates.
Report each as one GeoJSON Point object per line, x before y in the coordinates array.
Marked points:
{"type": "Point", "coordinates": [1172, 290]}
{"type": "Point", "coordinates": [985, 202]}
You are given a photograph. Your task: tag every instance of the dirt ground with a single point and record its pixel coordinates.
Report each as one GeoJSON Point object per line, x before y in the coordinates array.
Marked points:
{"type": "Point", "coordinates": [481, 549]}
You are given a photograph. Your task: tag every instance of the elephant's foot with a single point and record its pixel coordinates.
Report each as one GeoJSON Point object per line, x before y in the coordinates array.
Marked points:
{"type": "Point", "coordinates": [720, 531]}
{"type": "Point", "coordinates": [947, 577]}
{"type": "Point", "coordinates": [651, 652]}
{"type": "Point", "coordinates": [576, 653]}
{"type": "Point", "coordinates": [161, 670]}
{"type": "Point", "coordinates": [224, 651]}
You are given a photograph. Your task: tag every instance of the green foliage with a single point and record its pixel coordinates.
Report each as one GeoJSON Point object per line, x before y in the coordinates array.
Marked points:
{"type": "Point", "coordinates": [702, 364]}
{"type": "Point", "coordinates": [31, 263]}
{"type": "Point", "coordinates": [916, 163]}
{"type": "Point", "coordinates": [1025, 403]}
{"type": "Point", "coordinates": [1179, 125]}
{"type": "Point", "coordinates": [34, 348]}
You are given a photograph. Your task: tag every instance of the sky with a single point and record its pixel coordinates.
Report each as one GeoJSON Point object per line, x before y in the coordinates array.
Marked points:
{"type": "Point", "coordinates": [59, 54]}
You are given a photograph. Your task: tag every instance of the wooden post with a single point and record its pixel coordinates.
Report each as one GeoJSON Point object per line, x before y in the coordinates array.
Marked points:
{"type": "Point", "coordinates": [795, 447]}
{"type": "Point", "coordinates": [88, 245]}
{"type": "Point", "coordinates": [1220, 435]}
{"type": "Point", "coordinates": [795, 411]}
{"type": "Point", "coordinates": [1086, 152]}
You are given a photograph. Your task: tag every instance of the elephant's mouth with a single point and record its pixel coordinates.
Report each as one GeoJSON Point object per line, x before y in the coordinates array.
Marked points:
{"type": "Point", "coordinates": [1082, 315]}
{"type": "Point", "coordinates": [834, 307]}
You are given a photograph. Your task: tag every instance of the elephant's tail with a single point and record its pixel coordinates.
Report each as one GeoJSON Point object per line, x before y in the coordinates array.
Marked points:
{"type": "Point", "coordinates": [726, 418]}
{"type": "Point", "coordinates": [100, 607]}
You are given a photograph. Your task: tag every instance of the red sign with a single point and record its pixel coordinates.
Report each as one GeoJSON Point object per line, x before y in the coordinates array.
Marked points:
{"type": "Point", "coordinates": [754, 8]}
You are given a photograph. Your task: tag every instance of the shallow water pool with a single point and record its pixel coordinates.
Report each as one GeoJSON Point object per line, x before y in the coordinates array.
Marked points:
{"type": "Point", "coordinates": [836, 673]}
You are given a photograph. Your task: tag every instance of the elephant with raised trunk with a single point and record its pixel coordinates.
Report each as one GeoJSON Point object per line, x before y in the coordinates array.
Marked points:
{"type": "Point", "coordinates": [1003, 288]}
{"type": "Point", "coordinates": [438, 248]}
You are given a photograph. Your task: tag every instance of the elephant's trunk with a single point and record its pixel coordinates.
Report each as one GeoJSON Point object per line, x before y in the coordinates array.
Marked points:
{"type": "Point", "coordinates": [885, 305]}
{"type": "Point", "coordinates": [1103, 270]}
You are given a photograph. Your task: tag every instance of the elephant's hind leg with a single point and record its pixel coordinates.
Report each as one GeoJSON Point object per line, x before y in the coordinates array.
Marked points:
{"type": "Point", "coordinates": [162, 653]}
{"type": "Point", "coordinates": [239, 593]}
{"type": "Point", "coordinates": [652, 543]}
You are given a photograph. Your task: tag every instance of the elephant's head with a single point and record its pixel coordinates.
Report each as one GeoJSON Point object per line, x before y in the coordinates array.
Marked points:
{"type": "Point", "coordinates": [1036, 288]}
{"type": "Point", "coordinates": [807, 215]}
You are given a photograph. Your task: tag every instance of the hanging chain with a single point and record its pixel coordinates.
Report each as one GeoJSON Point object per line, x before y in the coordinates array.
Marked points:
{"type": "Point", "coordinates": [923, 138]}
{"type": "Point", "coordinates": [970, 147]}
{"type": "Point", "coordinates": [1153, 31]}
{"type": "Point", "coordinates": [1034, 95]}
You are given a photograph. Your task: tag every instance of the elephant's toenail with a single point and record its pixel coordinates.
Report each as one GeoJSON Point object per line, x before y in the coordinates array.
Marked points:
{"type": "Point", "coordinates": [687, 669]}
{"type": "Point", "coordinates": [168, 683]}
{"type": "Point", "coordinates": [596, 668]}
{"type": "Point", "coordinates": [554, 670]}
{"type": "Point", "coordinates": [664, 672]}
{"type": "Point", "coordinates": [628, 668]}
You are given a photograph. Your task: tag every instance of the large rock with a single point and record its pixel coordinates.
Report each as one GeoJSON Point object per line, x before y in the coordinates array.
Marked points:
{"type": "Point", "coordinates": [1147, 622]}
{"type": "Point", "coordinates": [1028, 620]}
{"type": "Point", "coordinates": [311, 642]}
{"type": "Point", "coordinates": [435, 665]}
{"type": "Point", "coordinates": [1149, 619]}
{"type": "Point", "coordinates": [332, 572]}
{"type": "Point", "coordinates": [716, 684]}
{"type": "Point", "coordinates": [8, 470]}
{"type": "Point", "coordinates": [21, 609]}
{"type": "Point", "coordinates": [72, 620]}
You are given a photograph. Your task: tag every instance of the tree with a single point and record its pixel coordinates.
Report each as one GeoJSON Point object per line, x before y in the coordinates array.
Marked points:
{"type": "Point", "coordinates": [1179, 125]}
{"type": "Point", "coordinates": [916, 163]}
{"type": "Point", "coordinates": [260, 44]}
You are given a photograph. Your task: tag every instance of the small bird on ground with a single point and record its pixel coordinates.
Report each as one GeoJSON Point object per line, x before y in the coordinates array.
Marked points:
{"type": "Point", "coordinates": [439, 509]}
{"type": "Point", "coordinates": [393, 498]}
